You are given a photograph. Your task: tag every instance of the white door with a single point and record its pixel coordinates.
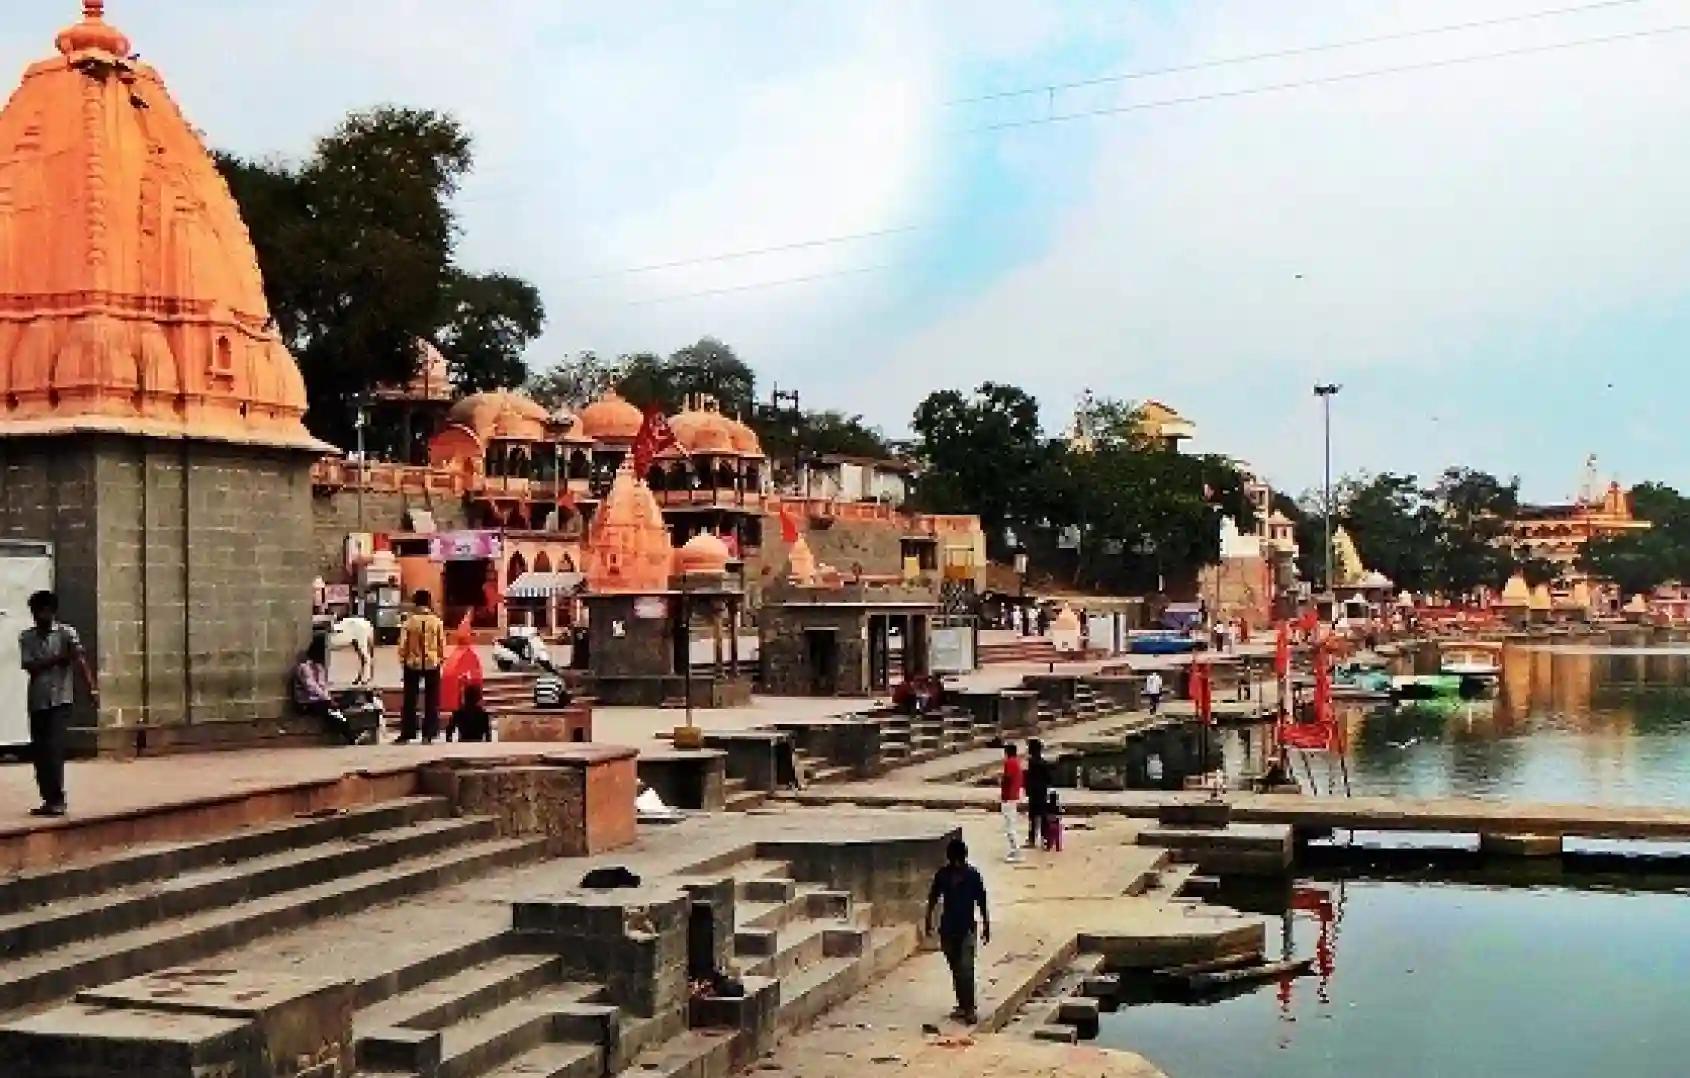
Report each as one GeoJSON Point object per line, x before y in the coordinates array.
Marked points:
{"type": "Point", "coordinates": [25, 568]}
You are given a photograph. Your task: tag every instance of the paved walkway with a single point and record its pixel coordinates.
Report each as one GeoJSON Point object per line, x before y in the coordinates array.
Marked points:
{"type": "Point", "coordinates": [1038, 908]}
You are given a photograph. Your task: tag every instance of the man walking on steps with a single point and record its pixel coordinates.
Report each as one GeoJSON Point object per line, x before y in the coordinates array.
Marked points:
{"type": "Point", "coordinates": [1038, 779]}
{"type": "Point", "coordinates": [50, 651]}
{"type": "Point", "coordinates": [959, 886]}
{"type": "Point", "coordinates": [422, 649]}
{"type": "Point", "coordinates": [1009, 799]}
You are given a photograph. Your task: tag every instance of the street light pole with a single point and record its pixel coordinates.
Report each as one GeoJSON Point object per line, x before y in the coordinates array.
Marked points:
{"type": "Point", "coordinates": [1326, 392]}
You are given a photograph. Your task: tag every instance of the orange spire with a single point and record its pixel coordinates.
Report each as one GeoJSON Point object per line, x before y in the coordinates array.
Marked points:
{"type": "Point", "coordinates": [92, 33]}
{"type": "Point", "coordinates": [130, 295]}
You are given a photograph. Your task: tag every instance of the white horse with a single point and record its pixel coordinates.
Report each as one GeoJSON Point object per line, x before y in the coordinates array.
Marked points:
{"type": "Point", "coordinates": [360, 636]}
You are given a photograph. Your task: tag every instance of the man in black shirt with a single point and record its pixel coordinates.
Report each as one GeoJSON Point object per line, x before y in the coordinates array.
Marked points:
{"type": "Point", "coordinates": [1038, 791]}
{"type": "Point", "coordinates": [960, 887]}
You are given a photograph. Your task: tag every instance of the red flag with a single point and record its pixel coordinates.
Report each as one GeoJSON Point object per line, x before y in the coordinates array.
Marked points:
{"type": "Point", "coordinates": [788, 527]}
{"type": "Point", "coordinates": [1203, 691]}
{"type": "Point", "coordinates": [1282, 650]}
{"type": "Point", "coordinates": [654, 437]}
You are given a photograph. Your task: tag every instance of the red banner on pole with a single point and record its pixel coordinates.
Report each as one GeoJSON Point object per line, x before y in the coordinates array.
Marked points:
{"type": "Point", "coordinates": [654, 437]}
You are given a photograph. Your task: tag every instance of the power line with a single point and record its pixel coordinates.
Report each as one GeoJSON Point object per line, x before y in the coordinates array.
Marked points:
{"type": "Point", "coordinates": [1280, 54]}
{"type": "Point", "coordinates": [755, 286]}
{"type": "Point", "coordinates": [729, 256]}
{"type": "Point", "coordinates": [1327, 80]}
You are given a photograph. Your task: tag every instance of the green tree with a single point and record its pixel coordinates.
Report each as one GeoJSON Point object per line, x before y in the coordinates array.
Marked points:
{"type": "Point", "coordinates": [1393, 528]}
{"type": "Point", "coordinates": [980, 452]}
{"type": "Point", "coordinates": [1469, 514]}
{"type": "Point", "coordinates": [574, 382]}
{"type": "Point", "coordinates": [356, 244]}
{"type": "Point", "coordinates": [644, 381]}
{"type": "Point", "coordinates": [488, 323]}
{"type": "Point", "coordinates": [1641, 561]}
{"type": "Point", "coordinates": [710, 367]}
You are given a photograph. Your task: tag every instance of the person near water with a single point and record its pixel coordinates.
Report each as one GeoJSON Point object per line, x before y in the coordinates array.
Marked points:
{"type": "Point", "coordinates": [1038, 790]}
{"type": "Point", "coordinates": [422, 651]}
{"type": "Point", "coordinates": [1051, 823]}
{"type": "Point", "coordinates": [1009, 799]}
{"type": "Point", "coordinates": [311, 695]}
{"type": "Point", "coordinates": [959, 887]}
{"type": "Point", "coordinates": [1153, 690]}
{"type": "Point", "coordinates": [470, 722]}
{"type": "Point", "coordinates": [49, 651]}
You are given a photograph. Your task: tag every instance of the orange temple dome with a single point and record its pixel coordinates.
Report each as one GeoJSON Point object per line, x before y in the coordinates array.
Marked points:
{"type": "Point", "coordinates": [702, 431]}
{"type": "Point", "coordinates": [628, 547]}
{"type": "Point", "coordinates": [703, 553]}
{"type": "Point", "coordinates": [130, 294]}
{"type": "Point", "coordinates": [611, 419]}
{"type": "Point", "coordinates": [500, 414]}
{"type": "Point", "coordinates": [745, 441]}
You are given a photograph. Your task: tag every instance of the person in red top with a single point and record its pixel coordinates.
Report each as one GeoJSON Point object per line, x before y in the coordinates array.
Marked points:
{"type": "Point", "coordinates": [1009, 799]}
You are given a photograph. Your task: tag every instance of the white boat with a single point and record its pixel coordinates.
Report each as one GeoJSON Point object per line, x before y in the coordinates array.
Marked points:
{"type": "Point", "coordinates": [1477, 660]}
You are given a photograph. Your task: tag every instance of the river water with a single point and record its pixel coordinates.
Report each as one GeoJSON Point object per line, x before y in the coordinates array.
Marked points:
{"type": "Point", "coordinates": [1585, 725]}
{"type": "Point", "coordinates": [1418, 974]}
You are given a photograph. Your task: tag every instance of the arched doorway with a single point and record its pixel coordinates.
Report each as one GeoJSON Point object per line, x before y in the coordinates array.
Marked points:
{"type": "Point", "coordinates": [542, 564]}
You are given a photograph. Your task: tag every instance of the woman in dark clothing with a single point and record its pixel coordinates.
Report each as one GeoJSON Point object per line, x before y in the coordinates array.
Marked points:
{"type": "Point", "coordinates": [1038, 791]}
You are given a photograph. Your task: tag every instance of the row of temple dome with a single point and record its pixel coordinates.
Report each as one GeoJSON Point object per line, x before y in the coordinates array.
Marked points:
{"type": "Point", "coordinates": [609, 421]}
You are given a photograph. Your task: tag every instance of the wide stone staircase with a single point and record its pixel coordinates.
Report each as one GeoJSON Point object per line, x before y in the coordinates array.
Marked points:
{"type": "Point", "coordinates": [1026, 649]}
{"type": "Point", "coordinates": [150, 907]}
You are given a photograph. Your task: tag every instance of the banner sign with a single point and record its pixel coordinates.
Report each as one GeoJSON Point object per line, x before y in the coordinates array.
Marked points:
{"type": "Point", "coordinates": [465, 546]}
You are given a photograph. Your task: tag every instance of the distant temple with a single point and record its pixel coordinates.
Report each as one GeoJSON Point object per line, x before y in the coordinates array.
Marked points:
{"type": "Point", "coordinates": [1557, 533]}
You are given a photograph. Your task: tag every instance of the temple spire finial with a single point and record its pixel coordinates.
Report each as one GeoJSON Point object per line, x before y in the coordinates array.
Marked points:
{"type": "Point", "coordinates": [93, 32]}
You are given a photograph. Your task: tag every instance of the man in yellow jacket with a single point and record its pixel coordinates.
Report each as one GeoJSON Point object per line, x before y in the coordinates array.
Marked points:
{"type": "Point", "coordinates": [422, 650]}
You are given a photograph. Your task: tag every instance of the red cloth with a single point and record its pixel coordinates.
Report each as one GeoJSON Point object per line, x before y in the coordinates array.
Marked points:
{"type": "Point", "coordinates": [654, 437]}
{"type": "Point", "coordinates": [788, 527]}
{"type": "Point", "coordinates": [1203, 691]}
{"type": "Point", "coordinates": [1013, 781]}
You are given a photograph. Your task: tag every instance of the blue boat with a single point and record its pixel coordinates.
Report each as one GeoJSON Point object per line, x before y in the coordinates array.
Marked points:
{"type": "Point", "coordinates": [1161, 644]}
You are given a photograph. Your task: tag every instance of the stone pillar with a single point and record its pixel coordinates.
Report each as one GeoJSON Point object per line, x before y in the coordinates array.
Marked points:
{"type": "Point", "coordinates": [187, 567]}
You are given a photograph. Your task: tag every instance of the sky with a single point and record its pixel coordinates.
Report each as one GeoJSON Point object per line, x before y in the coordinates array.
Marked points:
{"type": "Point", "coordinates": [1491, 258]}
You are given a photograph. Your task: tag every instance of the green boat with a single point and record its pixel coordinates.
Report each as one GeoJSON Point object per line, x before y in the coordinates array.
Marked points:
{"type": "Point", "coordinates": [1426, 686]}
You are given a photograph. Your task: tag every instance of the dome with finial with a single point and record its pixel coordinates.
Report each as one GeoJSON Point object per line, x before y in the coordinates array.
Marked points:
{"type": "Point", "coordinates": [611, 419]}
{"type": "Point", "coordinates": [745, 441]}
{"type": "Point", "coordinates": [1516, 592]}
{"type": "Point", "coordinates": [701, 431]}
{"type": "Point", "coordinates": [703, 553]}
{"type": "Point", "coordinates": [130, 296]}
{"type": "Point", "coordinates": [501, 413]}
{"type": "Point", "coordinates": [628, 547]}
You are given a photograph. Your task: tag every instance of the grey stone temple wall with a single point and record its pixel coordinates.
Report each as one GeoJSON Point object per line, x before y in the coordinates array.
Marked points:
{"type": "Point", "coordinates": [187, 567]}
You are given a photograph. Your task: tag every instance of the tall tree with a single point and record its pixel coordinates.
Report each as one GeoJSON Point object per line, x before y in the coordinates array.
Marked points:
{"type": "Point", "coordinates": [644, 381]}
{"type": "Point", "coordinates": [356, 244]}
{"type": "Point", "coordinates": [574, 382]}
{"type": "Point", "coordinates": [1469, 515]}
{"type": "Point", "coordinates": [488, 322]}
{"type": "Point", "coordinates": [1388, 520]}
{"type": "Point", "coordinates": [710, 367]}
{"type": "Point", "coordinates": [1641, 561]}
{"type": "Point", "coordinates": [979, 452]}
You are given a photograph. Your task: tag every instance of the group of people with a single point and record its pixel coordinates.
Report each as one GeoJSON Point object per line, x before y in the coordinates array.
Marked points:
{"type": "Point", "coordinates": [422, 655]}
{"type": "Point", "coordinates": [1033, 783]}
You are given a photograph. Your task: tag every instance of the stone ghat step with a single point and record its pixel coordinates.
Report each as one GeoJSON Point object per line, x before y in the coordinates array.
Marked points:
{"type": "Point", "coordinates": [802, 943]}
{"type": "Point", "coordinates": [42, 978]}
{"type": "Point", "coordinates": [555, 1061]}
{"type": "Point", "coordinates": [696, 1053]}
{"type": "Point", "coordinates": [60, 923]}
{"type": "Point", "coordinates": [563, 1013]}
{"type": "Point", "coordinates": [160, 861]}
{"type": "Point", "coordinates": [811, 992]}
{"type": "Point", "coordinates": [463, 994]}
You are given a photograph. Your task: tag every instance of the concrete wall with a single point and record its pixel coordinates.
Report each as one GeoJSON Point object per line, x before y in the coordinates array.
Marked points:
{"type": "Point", "coordinates": [187, 566]}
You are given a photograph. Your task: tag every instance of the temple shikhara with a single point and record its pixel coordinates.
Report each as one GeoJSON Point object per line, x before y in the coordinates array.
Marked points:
{"type": "Point", "coordinates": [148, 411]}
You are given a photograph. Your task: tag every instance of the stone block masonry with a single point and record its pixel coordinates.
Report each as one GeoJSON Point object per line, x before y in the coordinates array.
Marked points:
{"type": "Point", "coordinates": [187, 567]}
{"type": "Point", "coordinates": [334, 516]}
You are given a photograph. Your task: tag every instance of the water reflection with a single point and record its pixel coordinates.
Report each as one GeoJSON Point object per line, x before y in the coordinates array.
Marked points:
{"type": "Point", "coordinates": [1566, 724]}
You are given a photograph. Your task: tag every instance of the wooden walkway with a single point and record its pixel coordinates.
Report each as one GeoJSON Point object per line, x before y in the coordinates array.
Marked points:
{"type": "Point", "coordinates": [1454, 815]}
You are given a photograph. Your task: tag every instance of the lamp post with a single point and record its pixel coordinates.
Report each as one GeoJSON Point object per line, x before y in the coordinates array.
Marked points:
{"type": "Point", "coordinates": [1326, 392]}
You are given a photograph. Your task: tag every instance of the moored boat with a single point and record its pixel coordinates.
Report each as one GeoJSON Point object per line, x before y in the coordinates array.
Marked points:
{"type": "Point", "coordinates": [1479, 660]}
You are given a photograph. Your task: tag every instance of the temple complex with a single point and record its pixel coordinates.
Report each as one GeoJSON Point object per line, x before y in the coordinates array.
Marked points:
{"type": "Point", "coordinates": [1557, 533]}
{"type": "Point", "coordinates": [149, 413]}
{"type": "Point", "coordinates": [489, 500]}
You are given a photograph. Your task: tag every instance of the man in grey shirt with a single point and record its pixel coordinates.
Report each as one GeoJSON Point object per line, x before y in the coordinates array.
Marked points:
{"type": "Point", "coordinates": [49, 650]}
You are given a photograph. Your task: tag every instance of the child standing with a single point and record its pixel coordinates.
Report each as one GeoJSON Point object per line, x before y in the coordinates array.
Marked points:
{"type": "Point", "coordinates": [1052, 821]}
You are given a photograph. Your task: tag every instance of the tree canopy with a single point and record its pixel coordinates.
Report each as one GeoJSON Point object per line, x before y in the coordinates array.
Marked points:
{"type": "Point", "coordinates": [357, 245]}
{"type": "Point", "coordinates": [1108, 510]}
{"type": "Point", "coordinates": [1641, 561]}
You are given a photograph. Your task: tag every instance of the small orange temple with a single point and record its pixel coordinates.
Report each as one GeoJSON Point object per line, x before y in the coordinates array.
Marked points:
{"type": "Point", "coordinates": [130, 295]}
{"type": "Point", "coordinates": [628, 547]}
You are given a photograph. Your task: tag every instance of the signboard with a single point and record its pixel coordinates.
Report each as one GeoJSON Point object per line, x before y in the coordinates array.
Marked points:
{"type": "Point", "coordinates": [337, 594]}
{"type": "Point", "coordinates": [950, 650]}
{"type": "Point", "coordinates": [650, 608]}
{"type": "Point", "coordinates": [465, 546]}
